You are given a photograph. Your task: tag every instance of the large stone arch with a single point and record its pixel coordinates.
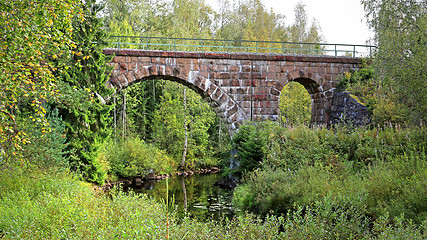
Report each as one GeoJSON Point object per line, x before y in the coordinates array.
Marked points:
{"type": "Point", "coordinates": [225, 106]}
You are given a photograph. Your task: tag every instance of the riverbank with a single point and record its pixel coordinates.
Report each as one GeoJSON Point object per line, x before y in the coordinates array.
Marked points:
{"type": "Point", "coordinates": [138, 181]}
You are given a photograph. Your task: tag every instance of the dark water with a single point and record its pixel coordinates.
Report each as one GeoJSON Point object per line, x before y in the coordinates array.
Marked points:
{"type": "Point", "coordinates": [195, 195]}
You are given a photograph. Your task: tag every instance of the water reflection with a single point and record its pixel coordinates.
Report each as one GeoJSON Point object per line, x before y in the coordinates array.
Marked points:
{"type": "Point", "coordinates": [195, 194]}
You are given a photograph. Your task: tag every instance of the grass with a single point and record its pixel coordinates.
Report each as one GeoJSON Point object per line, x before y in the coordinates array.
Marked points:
{"type": "Point", "coordinates": [361, 184]}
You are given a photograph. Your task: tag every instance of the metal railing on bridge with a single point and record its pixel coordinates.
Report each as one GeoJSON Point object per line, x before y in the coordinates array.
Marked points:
{"type": "Point", "coordinates": [235, 46]}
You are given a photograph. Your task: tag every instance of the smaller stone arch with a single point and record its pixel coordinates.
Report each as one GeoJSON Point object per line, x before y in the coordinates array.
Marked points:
{"type": "Point", "coordinates": [318, 88]}
{"type": "Point", "coordinates": [227, 109]}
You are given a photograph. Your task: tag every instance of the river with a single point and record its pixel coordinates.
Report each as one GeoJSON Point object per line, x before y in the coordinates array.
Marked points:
{"type": "Point", "coordinates": [195, 195]}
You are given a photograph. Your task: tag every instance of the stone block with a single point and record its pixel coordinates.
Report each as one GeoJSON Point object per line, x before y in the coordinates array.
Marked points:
{"type": "Point", "coordinates": [132, 66]}
{"type": "Point", "coordinates": [123, 67]}
{"type": "Point", "coordinates": [244, 76]}
{"type": "Point", "coordinates": [274, 91]}
{"type": "Point", "coordinates": [145, 60]}
{"type": "Point", "coordinates": [168, 70]}
{"type": "Point", "coordinates": [223, 75]}
{"type": "Point", "coordinates": [246, 69]}
{"type": "Point", "coordinates": [234, 68]}
{"type": "Point", "coordinates": [130, 77]}
{"type": "Point", "coordinates": [234, 75]}
{"type": "Point", "coordinates": [235, 83]}
{"type": "Point", "coordinates": [233, 110]}
{"type": "Point", "coordinates": [139, 73]}
{"type": "Point", "coordinates": [120, 59]}
{"type": "Point", "coordinates": [122, 80]}
{"type": "Point", "coordinates": [258, 75]}
{"type": "Point", "coordinates": [183, 61]}
{"type": "Point", "coordinates": [222, 99]}
{"type": "Point", "coordinates": [152, 70]}
{"type": "Point", "coordinates": [212, 88]}
{"type": "Point", "coordinates": [272, 76]}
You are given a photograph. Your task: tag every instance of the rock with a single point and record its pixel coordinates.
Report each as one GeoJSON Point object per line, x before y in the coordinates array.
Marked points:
{"type": "Point", "coordinates": [345, 109]}
{"type": "Point", "coordinates": [229, 183]}
{"type": "Point", "coordinates": [138, 181]}
{"type": "Point", "coordinates": [150, 176]}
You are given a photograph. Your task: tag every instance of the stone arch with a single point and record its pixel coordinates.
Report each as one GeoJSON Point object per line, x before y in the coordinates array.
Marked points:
{"type": "Point", "coordinates": [318, 88]}
{"type": "Point", "coordinates": [224, 105]}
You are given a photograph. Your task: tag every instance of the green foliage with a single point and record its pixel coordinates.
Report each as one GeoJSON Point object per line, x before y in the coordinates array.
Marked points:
{"type": "Point", "coordinates": [249, 142]}
{"type": "Point", "coordinates": [380, 171]}
{"type": "Point", "coordinates": [85, 114]}
{"type": "Point", "coordinates": [295, 105]}
{"type": "Point", "coordinates": [47, 148]}
{"type": "Point", "coordinates": [249, 20]}
{"type": "Point", "coordinates": [361, 76]}
{"type": "Point", "coordinates": [329, 218]}
{"type": "Point", "coordinates": [400, 33]}
{"type": "Point", "coordinates": [45, 206]}
{"type": "Point", "coordinates": [35, 36]}
{"type": "Point", "coordinates": [367, 90]}
{"type": "Point", "coordinates": [57, 206]}
{"type": "Point", "coordinates": [289, 147]}
{"type": "Point", "coordinates": [136, 16]}
{"type": "Point", "coordinates": [134, 157]}
{"type": "Point", "coordinates": [300, 32]}
{"type": "Point", "coordinates": [141, 101]}
{"type": "Point", "coordinates": [168, 125]}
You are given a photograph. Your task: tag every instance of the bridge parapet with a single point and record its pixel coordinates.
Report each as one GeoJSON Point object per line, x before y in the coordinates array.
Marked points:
{"type": "Point", "coordinates": [239, 86]}
{"type": "Point", "coordinates": [236, 46]}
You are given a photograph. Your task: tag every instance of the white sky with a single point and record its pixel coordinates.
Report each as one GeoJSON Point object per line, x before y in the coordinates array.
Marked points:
{"type": "Point", "coordinates": [341, 21]}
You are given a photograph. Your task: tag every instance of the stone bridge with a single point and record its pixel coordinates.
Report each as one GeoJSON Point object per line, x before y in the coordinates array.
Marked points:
{"type": "Point", "coordinates": [239, 86]}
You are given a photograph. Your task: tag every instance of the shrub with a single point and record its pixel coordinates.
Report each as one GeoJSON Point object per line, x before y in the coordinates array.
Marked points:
{"type": "Point", "coordinates": [329, 218]}
{"type": "Point", "coordinates": [47, 146]}
{"type": "Point", "coordinates": [384, 167]}
{"type": "Point", "coordinates": [134, 157]}
{"type": "Point", "coordinates": [249, 142]}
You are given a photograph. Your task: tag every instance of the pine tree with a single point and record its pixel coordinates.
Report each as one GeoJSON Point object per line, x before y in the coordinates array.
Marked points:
{"type": "Point", "coordinates": [86, 116]}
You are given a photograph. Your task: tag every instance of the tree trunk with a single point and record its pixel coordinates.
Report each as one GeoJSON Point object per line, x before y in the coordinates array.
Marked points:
{"type": "Point", "coordinates": [184, 191]}
{"type": "Point", "coordinates": [124, 115]}
{"type": "Point", "coordinates": [184, 152]}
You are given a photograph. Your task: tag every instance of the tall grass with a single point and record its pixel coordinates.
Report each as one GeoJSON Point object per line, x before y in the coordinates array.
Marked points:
{"type": "Point", "coordinates": [365, 173]}
{"type": "Point", "coordinates": [47, 206]}
{"type": "Point", "coordinates": [61, 207]}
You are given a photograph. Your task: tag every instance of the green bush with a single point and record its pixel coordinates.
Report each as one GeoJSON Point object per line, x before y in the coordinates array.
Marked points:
{"type": "Point", "coordinates": [134, 157]}
{"type": "Point", "coordinates": [329, 218]}
{"type": "Point", "coordinates": [47, 146]}
{"type": "Point", "coordinates": [290, 147]}
{"type": "Point", "coordinates": [384, 167]}
{"type": "Point", "coordinates": [277, 191]}
{"type": "Point", "coordinates": [249, 142]}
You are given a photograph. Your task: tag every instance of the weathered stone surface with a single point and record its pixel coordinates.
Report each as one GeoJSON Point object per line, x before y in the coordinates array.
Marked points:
{"type": "Point", "coordinates": [345, 109]}
{"type": "Point", "coordinates": [246, 83]}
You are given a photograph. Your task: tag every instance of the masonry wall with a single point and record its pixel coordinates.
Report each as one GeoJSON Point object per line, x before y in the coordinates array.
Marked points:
{"type": "Point", "coordinates": [239, 86]}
